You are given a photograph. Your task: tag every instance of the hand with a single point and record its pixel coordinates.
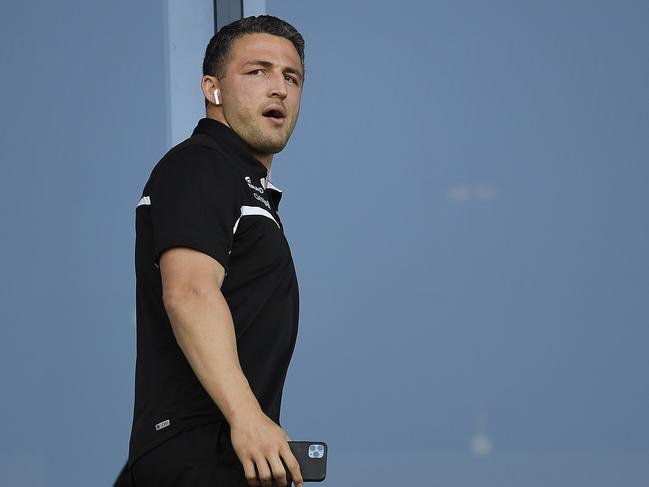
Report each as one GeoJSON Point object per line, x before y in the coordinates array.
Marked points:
{"type": "Point", "coordinates": [258, 441]}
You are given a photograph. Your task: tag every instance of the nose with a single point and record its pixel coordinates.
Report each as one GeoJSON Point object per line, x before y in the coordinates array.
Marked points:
{"type": "Point", "coordinates": [277, 86]}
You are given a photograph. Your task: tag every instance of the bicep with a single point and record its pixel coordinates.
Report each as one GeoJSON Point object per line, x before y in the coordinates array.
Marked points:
{"type": "Point", "coordinates": [186, 271]}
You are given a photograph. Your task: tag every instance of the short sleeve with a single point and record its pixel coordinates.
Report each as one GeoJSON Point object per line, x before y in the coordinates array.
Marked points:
{"type": "Point", "coordinates": [195, 202]}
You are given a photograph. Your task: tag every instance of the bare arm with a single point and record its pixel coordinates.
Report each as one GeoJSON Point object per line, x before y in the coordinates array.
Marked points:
{"type": "Point", "coordinates": [204, 329]}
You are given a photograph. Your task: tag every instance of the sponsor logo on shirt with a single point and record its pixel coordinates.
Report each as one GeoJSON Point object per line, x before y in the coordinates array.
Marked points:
{"type": "Point", "coordinates": [259, 198]}
{"type": "Point", "coordinates": [252, 186]}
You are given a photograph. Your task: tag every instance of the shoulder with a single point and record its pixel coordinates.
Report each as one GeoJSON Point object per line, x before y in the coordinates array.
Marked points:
{"type": "Point", "coordinates": [195, 158]}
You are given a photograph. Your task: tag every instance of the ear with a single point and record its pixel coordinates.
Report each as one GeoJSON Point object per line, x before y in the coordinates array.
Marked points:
{"type": "Point", "coordinates": [211, 90]}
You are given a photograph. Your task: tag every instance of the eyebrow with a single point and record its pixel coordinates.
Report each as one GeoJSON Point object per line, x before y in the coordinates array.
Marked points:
{"type": "Point", "coordinates": [268, 64]}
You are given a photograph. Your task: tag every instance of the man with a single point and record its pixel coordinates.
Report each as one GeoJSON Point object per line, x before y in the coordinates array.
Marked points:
{"type": "Point", "coordinates": [217, 296]}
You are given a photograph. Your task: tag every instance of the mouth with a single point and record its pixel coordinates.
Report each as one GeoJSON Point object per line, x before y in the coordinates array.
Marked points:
{"type": "Point", "coordinates": [275, 114]}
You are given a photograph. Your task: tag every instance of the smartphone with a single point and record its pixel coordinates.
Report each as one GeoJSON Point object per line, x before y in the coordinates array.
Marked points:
{"type": "Point", "coordinates": [312, 458]}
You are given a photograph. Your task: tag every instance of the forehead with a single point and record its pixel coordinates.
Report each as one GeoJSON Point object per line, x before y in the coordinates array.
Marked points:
{"type": "Point", "coordinates": [264, 47]}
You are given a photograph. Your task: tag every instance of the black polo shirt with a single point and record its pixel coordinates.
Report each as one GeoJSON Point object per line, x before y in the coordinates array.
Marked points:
{"type": "Point", "coordinates": [208, 193]}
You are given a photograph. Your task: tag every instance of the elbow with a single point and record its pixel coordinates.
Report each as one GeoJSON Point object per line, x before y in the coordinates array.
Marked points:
{"type": "Point", "coordinates": [173, 299]}
{"type": "Point", "coordinates": [170, 299]}
{"type": "Point", "coordinates": [179, 298]}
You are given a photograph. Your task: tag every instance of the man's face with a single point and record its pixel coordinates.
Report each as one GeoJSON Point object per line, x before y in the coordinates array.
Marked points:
{"type": "Point", "coordinates": [261, 91]}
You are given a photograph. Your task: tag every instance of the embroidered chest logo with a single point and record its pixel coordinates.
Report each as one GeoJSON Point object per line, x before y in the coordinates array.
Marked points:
{"type": "Point", "coordinates": [259, 198]}
{"type": "Point", "coordinates": [252, 186]}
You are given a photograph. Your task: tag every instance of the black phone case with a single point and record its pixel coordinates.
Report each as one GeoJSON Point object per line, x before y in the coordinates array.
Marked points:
{"type": "Point", "coordinates": [312, 457]}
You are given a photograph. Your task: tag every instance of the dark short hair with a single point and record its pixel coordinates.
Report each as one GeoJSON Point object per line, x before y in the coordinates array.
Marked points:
{"type": "Point", "coordinates": [218, 50]}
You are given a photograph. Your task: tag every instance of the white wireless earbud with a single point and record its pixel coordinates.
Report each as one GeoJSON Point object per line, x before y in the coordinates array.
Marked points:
{"type": "Point", "coordinates": [217, 97]}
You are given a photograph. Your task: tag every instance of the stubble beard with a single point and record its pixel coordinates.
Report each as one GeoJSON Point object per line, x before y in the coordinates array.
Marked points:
{"type": "Point", "coordinates": [263, 142]}
{"type": "Point", "coordinates": [260, 140]}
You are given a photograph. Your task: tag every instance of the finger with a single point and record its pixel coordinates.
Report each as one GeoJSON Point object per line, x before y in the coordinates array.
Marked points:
{"type": "Point", "coordinates": [292, 465]}
{"type": "Point", "coordinates": [264, 472]}
{"type": "Point", "coordinates": [249, 472]}
{"type": "Point", "coordinates": [279, 473]}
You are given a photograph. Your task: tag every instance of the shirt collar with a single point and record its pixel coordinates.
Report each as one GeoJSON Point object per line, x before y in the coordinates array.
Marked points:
{"type": "Point", "coordinates": [273, 190]}
{"type": "Point", "coordinates": [270, 185]}
{"type": "Point", "coordinates": [232, 143]}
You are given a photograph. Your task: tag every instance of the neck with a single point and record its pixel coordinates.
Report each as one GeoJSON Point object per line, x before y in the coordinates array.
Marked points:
{"type": "Point", "coordinates": [265, 159]}
{"type": "Point", "coordinates": [217, 114]}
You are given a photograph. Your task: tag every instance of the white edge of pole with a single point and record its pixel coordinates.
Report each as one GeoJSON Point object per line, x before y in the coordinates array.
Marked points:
{"type": "Point", "coordinates": [190, 26]}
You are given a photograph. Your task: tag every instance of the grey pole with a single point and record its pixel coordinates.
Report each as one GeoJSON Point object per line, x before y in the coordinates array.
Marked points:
{"type": "Point", "coordinates": [226, 11]}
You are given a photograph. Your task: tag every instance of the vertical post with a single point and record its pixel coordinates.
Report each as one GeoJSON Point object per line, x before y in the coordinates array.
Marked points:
{"type": "Point", "coordinates": [189, 29]}
{"type": "Point", "coordinates": [226, 11]}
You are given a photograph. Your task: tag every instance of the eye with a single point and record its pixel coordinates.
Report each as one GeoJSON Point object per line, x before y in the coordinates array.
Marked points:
{"type": "Point", "coordinates": [256, 72]}
{"type": "Point", "coordinates": [290, 79]}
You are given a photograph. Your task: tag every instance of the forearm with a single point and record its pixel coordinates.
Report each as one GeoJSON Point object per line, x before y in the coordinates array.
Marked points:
{"type": "Point", "coordinates": [203, 327]}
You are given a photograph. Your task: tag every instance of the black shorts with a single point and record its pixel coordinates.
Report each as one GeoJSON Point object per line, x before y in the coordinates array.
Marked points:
{"type": "Point", "coordinates": [200, 457]}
